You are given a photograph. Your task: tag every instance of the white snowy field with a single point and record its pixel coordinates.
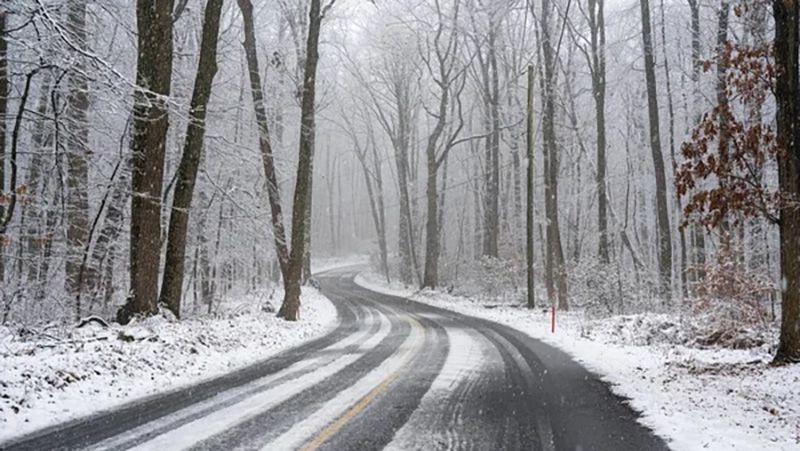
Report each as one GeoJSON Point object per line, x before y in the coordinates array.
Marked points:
{"type": "Point", "coordinates": [53, 375]}
{"type": "Point", "coordinates": [697, 399]}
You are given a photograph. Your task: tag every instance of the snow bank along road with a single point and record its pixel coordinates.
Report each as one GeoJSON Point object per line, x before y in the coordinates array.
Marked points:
{"type": "Point", "coordinates": [394, 374]}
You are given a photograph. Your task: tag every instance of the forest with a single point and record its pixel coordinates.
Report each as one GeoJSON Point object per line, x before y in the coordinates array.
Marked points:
{"type": "Point", "coordinates": [400, 224]}
{"type": "Point", "coordinates": [614, 157]}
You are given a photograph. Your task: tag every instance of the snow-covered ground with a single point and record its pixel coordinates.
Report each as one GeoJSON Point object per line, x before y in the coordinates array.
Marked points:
{"type": "Point", "coordinates": [697, 399]}
{"type": "Point", "coordinates": [54, 375]}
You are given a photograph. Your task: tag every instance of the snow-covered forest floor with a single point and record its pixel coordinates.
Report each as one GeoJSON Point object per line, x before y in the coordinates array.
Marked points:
{"type": "Point", "coordinates": [62, 373]}
{"type": "Point", "coordinates": [696, 397]}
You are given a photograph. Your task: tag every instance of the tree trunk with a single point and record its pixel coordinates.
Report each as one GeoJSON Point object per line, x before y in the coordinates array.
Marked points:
{"type": "Point", "coordinates": [4, 90]}
{"type": "Point", "coordinates": [405, 224]}
{"type": "Point", "coordinates": [598, 56]}
{"type": "Point", "coordinates": [531, 173]}
{"type": "Point", "coordinates": [430, 277]}
{"type": "Point", "coordinates": [150, 123]}
{"type": "Point", "coordinates": [722, 95]}
{"type": "Point", "coordinates": [432, 246]}
{"type": "Point", "coordinates": [109, 233]}
{"type": "Point", "coordinates": [172, 285]}
{"type": "Point", "coordinates": [671, 113]}
{"type": "Point", "coordinates": [290, 308]}
{"type": "Point", "coordinates": [37, 187]}
{"type": "Point", "coordinates": [77, 155]}
{"type": "Point", "coordinates": [382, 244]}
{"type": "Point", "coordinates": [492, 199]}
{"type": "Point", "coordinates": [698, 252]}
{"type": "Point", "coordinates": [265, 145]}
{"type": "Point", "coordinates": [787, 93]}
{"type": "Point", "coordinates": [307, 242]}
{"type": "Point", "coordinates": [556, 279]}
{"type": "Point", "coordinates": [662, 209]}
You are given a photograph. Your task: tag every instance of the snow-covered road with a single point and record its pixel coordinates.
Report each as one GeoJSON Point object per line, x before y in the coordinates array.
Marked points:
{"type": "Point", "coordinates": [394, 374]}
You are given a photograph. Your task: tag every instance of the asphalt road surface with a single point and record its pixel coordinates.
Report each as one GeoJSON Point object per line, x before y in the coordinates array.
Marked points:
{"type": "Point", "coordinates": [394, 374]}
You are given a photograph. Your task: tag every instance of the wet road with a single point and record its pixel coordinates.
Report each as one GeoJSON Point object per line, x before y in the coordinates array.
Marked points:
{"type": "Point", "coordinates": [394, 374]}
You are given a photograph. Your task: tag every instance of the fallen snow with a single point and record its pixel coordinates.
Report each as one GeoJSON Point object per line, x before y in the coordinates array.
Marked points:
{"type": "Point", "coordinates": [697, 399]}
{"type": "Point", "coordinates": [58, 375]}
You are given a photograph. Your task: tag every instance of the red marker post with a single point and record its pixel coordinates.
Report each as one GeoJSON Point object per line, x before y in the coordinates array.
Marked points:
{"type": "Point", "coordinates": [553, 320]}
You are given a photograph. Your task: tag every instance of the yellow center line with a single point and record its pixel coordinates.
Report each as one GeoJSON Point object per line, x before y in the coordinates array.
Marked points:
{"type": "Point", "coordinates": [362, 404]}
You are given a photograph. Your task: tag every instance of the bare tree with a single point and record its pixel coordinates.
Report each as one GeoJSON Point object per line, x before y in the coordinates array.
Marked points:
{"type": "Point", "coordinates": [662, 210]}
{"type": "Point", "coordinates": [172, 285]}
{"type": "Point", "coordinates": [150, 123]}
{"type": "Point", "coordinates": [531, 173]}
{"type": "Point", "coordinates": [698, 248]}
{"type": "Point", "coordinates": [77, 155]}
{"type": "Point", "coordinates": [449, 78]}
{"type": "Point", "coordinates": [787, 93]}
{"type": "Point", "coordinates": [290, 308]}
{"type": "Point", "coordinates": [4, 88]}
{"type": "Point", "coordinates": [555, 277]}
{"type": "Point", "coordinates": [267, 157]}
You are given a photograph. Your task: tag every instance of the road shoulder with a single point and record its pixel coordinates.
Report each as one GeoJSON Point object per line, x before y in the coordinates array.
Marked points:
{"type": "Point", "coordinates": [54, 377]}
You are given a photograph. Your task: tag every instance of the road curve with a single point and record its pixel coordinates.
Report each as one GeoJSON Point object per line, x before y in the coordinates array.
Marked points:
{"type": "Point", "coordinates": [395, 375]}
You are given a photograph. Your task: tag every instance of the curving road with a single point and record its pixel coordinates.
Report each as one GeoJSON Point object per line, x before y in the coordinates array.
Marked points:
{"type": "Point", "coordinates": [394, 374]}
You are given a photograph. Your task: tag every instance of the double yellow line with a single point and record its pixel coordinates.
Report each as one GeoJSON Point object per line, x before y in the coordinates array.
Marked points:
{"type": "Point", "coordinates": [362, 404]}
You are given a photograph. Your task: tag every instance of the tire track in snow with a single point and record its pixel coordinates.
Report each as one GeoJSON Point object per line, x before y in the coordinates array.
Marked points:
{"type": "Point", "coordinates": [222, 419]}
{"type": "Point", "coordinates": [337, 412]}
{"type": "Point", "coordinates": [369, 326]}
{"type": "Point", "coordinates": [280, 417]}
{"type": "Point", "coordinates": [442, 420]}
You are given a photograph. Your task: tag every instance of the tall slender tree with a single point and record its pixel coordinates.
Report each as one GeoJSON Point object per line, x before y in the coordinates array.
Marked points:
{"type": "Point", "coordinates": [555, 272]}
{"type": "Point", "coordinates": [698, 236]}
{"type": "Point", "coordinates": [172, 285]}
{"type": "Point", "coordinates": [150, 124]}
{"type": "Point", "coordinates": [597, 66]}
{"type": "Point", "coordinates": [265, 145]}
{"type": "Point", "coordinates": [531, 173]}
{"type": "Point", "coordinates": [290, 308]}
{"type": "Point", "coordinates": [4, 89]}
{"type": "Point", "coordinates": [447, 76]}
{"type": "Point", "coordinates": [664, 237]}
{"type": "Point", "coordinates": [77, 154]}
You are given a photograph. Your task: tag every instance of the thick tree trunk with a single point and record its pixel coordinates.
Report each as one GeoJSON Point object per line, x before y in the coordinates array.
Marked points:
{"type": "Point", "coordinates": [787, 93]}
{"type": "Point", "coordinates": [290, 308]}
{"type": "Point", "coordinates": [172, 285]}
{"type": "Point", "coordinates": [662, 208]}
{"type": "Point", "coordinates": [150, 123]}
{"type": "Point", "coordinates": [77, 156]}
{"type": "Point", "coordinates": [265, 145]}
